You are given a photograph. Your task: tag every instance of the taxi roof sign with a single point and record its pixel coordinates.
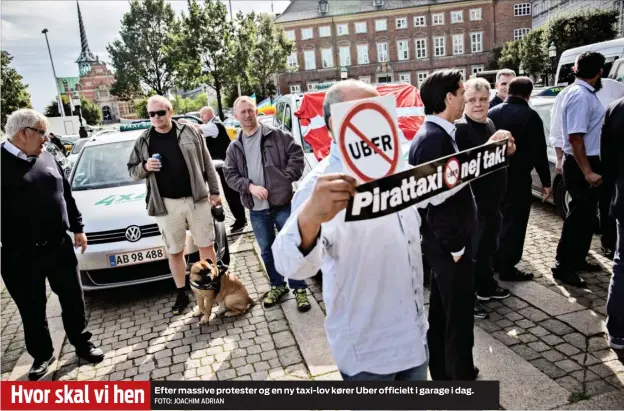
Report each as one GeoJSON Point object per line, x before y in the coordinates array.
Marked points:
{"type": "Point", "coordinates": [136, 126]}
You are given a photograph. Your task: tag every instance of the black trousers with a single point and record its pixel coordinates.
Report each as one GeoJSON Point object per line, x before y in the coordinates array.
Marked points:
{"type": "Point", "coordinates": [233, 199]}
{"type": "Point", "coordinates": [608, 231]}
{"type": "Point", "coordinates": [450, 336]}
{"type": "Point", "coordinates": [515, 209]}
{"type": "Point", "coordinates": [485, 242]}
{"type": "Point", "coordinates": [24, 272]}
{"type": "Point", "coordinates": [578, 226]}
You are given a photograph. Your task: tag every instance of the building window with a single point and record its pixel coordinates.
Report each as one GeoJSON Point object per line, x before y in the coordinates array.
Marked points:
{"type": "Point", "coordinates": [342, 29]}
{"type": "Point", "coordinates": [421, 48]}
{"type": "Point", "coordinates": [103, 94]}
{"type": "Point", "coordinates": [523, 9]}
{"type": "Point", "coordinates": [401, 23]}
{"type": "Point", "coordinates": [458, 44]}
{"type": "Point", "coordinates": [345, 56]}
{"type": "Point", "coordinates": [290, 35]}
{"type": "Point", "coordinates": [306, 34]}
{"type": "Point", "coordinates": [381, 25]}
{"type": "Point", "coordinates": [421, 76]}
{"type": "Point", "coordinates": [295, 89]}
{"type": "Point", "coordinates": [476, 14]}
{"type": "Point", "coordinates": [310, 59]}
{"type": "Point", "coordinates": [365, 79]}
{"type": "Point", "coordinates": [382, 52]}
{"type": "Point", "coordinates": [403, 49]}
{"type": "Point", "coordinates": [362, 54]}
{"type": "Point", "coordinates": [324, 31]}
{"type": "Point", "coordinates": [360, 27]}
{"type": "Point", "coordinates": [520, 33]}
{"type": "Point", "coordinates": [437, 19]}
{"type": "Point", "coordinates": [420, 21]}
{"type": "Point", "coordinates": [457, 17]}
{"type": "Point", "coordinates": [477, 69]}
{"type": "Point", "coordinates": [312, 86]}
{"type": "Point", "coordinates": [292, 60]}
{"type": "Point", "coordinates": [405, 78]}
{"type": "Point", "coordinates": [327, 58]}
{"type": "Point", "coordinates": [439, 46]}
{"type": "Point", "coordinates": [477, 42]}
{"type": "Point", "coordinates": [462, 71]}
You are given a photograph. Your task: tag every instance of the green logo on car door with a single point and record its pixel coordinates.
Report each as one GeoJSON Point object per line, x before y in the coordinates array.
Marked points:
{"type": "Point", "coordinates": [121, 199]}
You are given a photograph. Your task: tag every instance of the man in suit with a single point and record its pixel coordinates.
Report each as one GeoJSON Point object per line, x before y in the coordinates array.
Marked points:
{"type": "Point", "coordinates": [447, 235]}
{"type": "Point", "coordinates": [611, 155]}
{"type": "Point", "coordinates": [527, 128]}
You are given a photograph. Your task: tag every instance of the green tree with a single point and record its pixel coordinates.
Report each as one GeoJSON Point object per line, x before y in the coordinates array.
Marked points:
{"type": "Point", "coordinates": [91, 112]}
{"type": "Point", "coordinates": [492, 63]}
{"type": "Point", "coordinates": [144, 58]}
{"type": "Point", "coordinates": [533, 52]}
{"type": "Point", "coordinates": [510, 56]}
{"type": "Point", "coordinates": [270, 53]}
{"type": "Point", "coordinates": [14, 92]}
{"type": "Point", "coordinates": [204, 44]}
{"type": "Point", "coordinates": [244, 44]}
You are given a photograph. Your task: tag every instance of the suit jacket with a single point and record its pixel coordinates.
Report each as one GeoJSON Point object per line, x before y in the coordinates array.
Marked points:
{"type": "Point", "coordinates": [612, 156]}
{"type": "Point", "coordinates": [451, 224]}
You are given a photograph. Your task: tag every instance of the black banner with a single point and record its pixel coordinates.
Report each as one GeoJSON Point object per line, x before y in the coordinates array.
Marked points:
{"type": "Point", "coordinates": [407, 188]}
{"type": "Point", "coordinates": [325, 395]}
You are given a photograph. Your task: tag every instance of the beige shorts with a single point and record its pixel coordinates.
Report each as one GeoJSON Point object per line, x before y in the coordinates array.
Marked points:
{"type": "Point", "coordinates": [183, 213]}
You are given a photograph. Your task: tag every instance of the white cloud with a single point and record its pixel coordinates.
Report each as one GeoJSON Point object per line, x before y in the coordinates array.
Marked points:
{"type": "Point", "coordinates": [22, 22]}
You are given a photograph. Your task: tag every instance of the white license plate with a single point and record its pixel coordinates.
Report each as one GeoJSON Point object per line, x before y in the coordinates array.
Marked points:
{"type": "Point", "coordinates": [137, 257]}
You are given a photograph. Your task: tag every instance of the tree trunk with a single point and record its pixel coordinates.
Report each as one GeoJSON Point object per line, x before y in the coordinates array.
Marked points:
{"type": "Point", "coordinates": [217, 88]}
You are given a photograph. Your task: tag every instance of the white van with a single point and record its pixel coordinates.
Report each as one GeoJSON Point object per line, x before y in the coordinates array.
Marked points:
{"type": "Point", "coordinates": [612, 50]}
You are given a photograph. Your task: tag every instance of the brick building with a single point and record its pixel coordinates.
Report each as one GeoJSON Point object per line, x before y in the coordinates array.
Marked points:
{"type": "Point", "coordinates": [394, 40]}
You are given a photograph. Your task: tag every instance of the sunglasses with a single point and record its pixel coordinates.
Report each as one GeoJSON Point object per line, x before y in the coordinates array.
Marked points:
{"type": "Point", "coordinates": [159, 113]}
{"type": "Point", "coordinates": [43, 133]}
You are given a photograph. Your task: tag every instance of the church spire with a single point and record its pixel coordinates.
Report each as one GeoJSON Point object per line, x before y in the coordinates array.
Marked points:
{"type": "Point", "coordinates": [86, 56]}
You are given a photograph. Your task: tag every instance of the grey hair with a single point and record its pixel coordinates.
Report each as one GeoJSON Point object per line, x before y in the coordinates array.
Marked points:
{"type": "Point", "coordinates": [246, 99]}
{"type": "Point", "coordinates": [208, 109]}
{"type": "Point", "coordinates": [160, 99]}
{"type": "Point", "coordinates": [23, 118]}
{"type": "Point", "coordinates": [477, 84]}
{"type": "Point", "coordinates": [335, 95]}
{"type": "Point", "coordinates": [504, 72]}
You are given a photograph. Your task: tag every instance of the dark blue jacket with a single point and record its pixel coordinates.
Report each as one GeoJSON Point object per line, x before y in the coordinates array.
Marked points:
{"type": "Point", "coordinates": [612, 155]}
{"type": "Point", "coordinates": [450, 225]}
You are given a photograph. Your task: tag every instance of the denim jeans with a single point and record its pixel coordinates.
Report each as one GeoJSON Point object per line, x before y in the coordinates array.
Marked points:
{"type": "Point", "coordinates": [418, 373]}
{"type": "Point", "coordinates": [615, 299]}
{"type": "Point", "coordinates": [264, 223]}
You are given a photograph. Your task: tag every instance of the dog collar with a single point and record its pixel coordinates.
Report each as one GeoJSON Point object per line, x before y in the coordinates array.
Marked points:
{"type": "Point", "coordinates": [208, 285]}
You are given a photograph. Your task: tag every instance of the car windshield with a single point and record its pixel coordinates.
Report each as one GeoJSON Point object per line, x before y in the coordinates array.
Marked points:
{"type": "Point", "coordinates": [78, 146]}
{"type": "Point", "coordinates": [103, 166]}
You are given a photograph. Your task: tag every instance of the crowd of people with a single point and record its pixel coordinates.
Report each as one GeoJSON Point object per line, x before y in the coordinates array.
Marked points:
{"type": "Point", "coordinates": [374, 271]}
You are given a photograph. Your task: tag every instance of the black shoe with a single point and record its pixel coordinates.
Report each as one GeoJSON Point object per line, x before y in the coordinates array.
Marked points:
{"type": "Point", "coordinates": [40, 368]}
{"type": "Point", "coordinates": [182, 301]}
{"type": "Point", "coordinates": [588, 267]}
{"type": "Point", "coordinates": [515, 275]}
{"type": "Point", "coordinates": [608, 252]}
{"type": "Point", "coordinates": [568, 277]}
{"type": "Point", "coordinates": [237, 226]}
{"type": "Point", "coordinates": [497, 294]}
{"type": "Point", "coordinates": [89, 353]}
{"type": "Point", "coordinates": [479, 311]}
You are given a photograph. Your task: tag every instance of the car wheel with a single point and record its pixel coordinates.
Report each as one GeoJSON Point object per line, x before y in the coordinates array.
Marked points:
{"type": "Point", "coordinates": [562, 198]}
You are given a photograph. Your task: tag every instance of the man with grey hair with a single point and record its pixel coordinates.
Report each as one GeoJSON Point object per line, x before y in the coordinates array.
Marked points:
{"type": "Point", "coordinates": [37, 211]}
{"type": "Point", "coordinates": [376, 260]}
{"type": "Point", "coordinates": [472, 130]}
{"type": "Point", "coordinates": [182, 185]}
{"type": "Point", "coordinates": [503, 77]}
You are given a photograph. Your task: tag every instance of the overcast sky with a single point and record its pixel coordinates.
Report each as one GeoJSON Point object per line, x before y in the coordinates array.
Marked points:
{"type": "Point", "coordinates": [22, 22]}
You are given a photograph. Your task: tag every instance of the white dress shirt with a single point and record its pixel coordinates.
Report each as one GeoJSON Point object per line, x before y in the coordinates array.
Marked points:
{"type": "Point", "coordinates": [209, 129]}
{"type": "Point", "coordinates": [372, 280]}
{"type": "Point", "coordinates": [11, 148]}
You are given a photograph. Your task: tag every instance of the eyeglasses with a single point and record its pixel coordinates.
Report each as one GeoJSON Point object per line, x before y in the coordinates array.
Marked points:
{"type": "Point", "coordinates": [159, 113]}
{"type": "Point", "coordinates": [43, 133]}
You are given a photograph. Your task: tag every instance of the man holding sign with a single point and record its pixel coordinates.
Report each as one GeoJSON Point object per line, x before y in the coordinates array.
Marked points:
{"type": "Point", "coordinates": [372, 269]}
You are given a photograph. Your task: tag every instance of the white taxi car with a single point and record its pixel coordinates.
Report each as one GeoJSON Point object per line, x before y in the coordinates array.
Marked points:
{"type": "Point", "coordinates": [125, 246]}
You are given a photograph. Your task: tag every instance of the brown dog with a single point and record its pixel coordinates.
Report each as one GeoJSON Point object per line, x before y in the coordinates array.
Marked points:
{"type": "Point", "coordinates": [211, 284]}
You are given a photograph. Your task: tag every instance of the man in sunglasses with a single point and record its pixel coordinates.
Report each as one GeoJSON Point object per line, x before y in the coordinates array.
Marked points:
{"type": "Point", "coordinates": [182, 186]}
{"type": "Point", "coordinates": [37, 211]}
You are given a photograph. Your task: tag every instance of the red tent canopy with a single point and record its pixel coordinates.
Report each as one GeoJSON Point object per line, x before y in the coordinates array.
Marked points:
{"type": "Point", "coordinates": [410, 113]}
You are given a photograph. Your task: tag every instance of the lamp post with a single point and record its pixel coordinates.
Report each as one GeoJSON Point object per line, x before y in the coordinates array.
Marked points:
{"type": "Point", "coordinates": [59, 99]}
{"type": "Point", "coordinates": [521, 69]}
{"type": "Point", "coordinates": [344, 74]}
{"type": "Point", "coordinates": [552, 53]}
{"type": "Point", "coordinates": [76, 102]}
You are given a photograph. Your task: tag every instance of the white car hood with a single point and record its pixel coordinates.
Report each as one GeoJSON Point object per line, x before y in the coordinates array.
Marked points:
{"type": "Point", "coordinates": [113, 208]}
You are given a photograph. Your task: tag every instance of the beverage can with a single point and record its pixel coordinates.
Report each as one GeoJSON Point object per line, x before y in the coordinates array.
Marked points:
{"type": "Point", "coordinates": [156, 156]}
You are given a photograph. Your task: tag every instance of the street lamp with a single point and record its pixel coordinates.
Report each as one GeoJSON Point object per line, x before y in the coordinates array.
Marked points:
{"type": "Point", "coordinates": [59, 101]}
{"type": "Point", "coordinates": [76, 102]}
{"type": "Point", "coordinates": [521, 69]}
{"type": "Point", "coordinates": [344, 74]}
{"type": "Point", "coordinates": [552, 53]}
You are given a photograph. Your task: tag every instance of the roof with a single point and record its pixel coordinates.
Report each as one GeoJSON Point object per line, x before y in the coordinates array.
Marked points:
{"type": "Point", "coordinates": [309, 9]}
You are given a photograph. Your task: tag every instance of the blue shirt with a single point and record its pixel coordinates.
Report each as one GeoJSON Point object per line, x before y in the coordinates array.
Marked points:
{"type": "Point", "coordinates": [582, 113]}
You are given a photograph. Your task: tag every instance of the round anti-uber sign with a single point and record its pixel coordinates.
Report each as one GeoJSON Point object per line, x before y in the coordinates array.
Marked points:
{"type": "Point", "coordinates": [451, 172]}
{"type": "Point", "coordinates": [368, 139]}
